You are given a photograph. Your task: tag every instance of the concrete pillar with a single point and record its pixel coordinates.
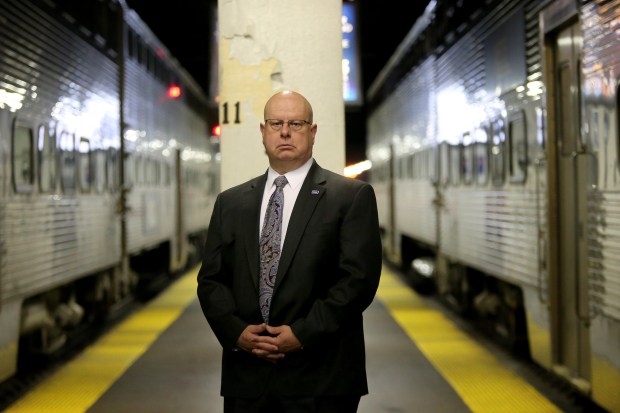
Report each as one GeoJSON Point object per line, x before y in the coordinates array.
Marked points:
{"type": "Point", "coordinates": [266, 46]}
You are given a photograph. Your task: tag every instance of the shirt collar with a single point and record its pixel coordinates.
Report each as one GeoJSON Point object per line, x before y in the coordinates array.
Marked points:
{"type": "Point", "coordinates": [295, 177]}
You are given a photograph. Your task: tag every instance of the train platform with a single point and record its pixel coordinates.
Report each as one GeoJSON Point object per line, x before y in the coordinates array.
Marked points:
{"type": "Point", "coordinates": [164, 358]}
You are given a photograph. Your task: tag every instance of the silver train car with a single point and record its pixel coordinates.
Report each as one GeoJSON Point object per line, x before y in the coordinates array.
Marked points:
{"type": "Point", "coordinates": [103, 176]}
{"type": "Point", "coordinates": [494, 141]}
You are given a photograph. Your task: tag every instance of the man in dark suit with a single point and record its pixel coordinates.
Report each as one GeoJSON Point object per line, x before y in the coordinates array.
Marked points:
{"type": "Point", "coordinates": [290, 323]}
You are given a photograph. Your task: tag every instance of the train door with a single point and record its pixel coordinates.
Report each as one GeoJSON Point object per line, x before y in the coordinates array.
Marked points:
{"type": "Point", "coordinates": [567, 209]}
{"type": "Point", "coordinates": [393, 242]}
{"type": "Point", "coordinates": [178, 249]}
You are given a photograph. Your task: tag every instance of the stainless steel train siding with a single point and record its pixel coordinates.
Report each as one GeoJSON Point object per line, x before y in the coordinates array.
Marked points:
{"type": "Point", "coordinates": [495, 153]}
{"type": "Point", "coordinates": [79, 93]}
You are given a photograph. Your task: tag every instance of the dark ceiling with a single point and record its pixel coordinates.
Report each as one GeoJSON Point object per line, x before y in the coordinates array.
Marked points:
{"type": "Point", "coordinates": [183, 26]}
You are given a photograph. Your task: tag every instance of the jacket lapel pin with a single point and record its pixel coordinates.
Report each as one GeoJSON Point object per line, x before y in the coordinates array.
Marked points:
{"type": "Point", "coordinates": [315, 192]}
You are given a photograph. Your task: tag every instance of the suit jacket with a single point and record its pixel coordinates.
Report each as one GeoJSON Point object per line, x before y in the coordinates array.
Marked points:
{"type": "Point", "coordinates": [327, 276]}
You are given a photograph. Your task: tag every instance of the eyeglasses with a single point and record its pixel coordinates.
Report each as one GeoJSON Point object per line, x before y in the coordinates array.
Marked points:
{"type": "Point", "coordinates": [294, 125]}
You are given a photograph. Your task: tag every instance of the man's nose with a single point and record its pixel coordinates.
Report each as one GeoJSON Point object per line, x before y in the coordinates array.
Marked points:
{"type": "Point", "coordinates": [286, 130]}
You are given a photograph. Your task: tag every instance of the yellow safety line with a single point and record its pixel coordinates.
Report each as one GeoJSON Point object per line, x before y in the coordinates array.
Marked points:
{"type": "Point", "coordinates": [484, 384]}
{"type": "Point", "coordinates": [80, 383]}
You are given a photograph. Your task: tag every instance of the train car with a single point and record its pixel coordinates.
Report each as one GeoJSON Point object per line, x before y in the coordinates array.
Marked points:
{"type": "Point", "coordinates": [493, 135]}
{"type": "Point", "coordinates": [105, 177]}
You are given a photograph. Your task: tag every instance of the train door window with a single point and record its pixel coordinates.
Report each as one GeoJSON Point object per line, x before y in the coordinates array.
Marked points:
{"type": "Point", "coordinates": [99, 17]}
{"type": "Point", "coordinates": [67, 161]}
{"type": "Point", "coordinates": [22, 158]}
{"type": "Point", "coordinates": [138, 170]}
{"type": "Point", "coordinates": [113, 170]}
{"type": "Point", "coordinates": [444, 163]}
{"type": "Point", "coordinates": [455, 164]}
{"type": "Point", "coordinates": [166, 174]}
{"type": "Point", "coordinates": [131, 43]}
{"type": "Point", "coordinates": [46, 148]}
{"type": "Point", "coordinates": [140, 49]}
{"type": "Point", "coordinates": [432, 163]}
{"type": "Point", "coordinates": [150, 60]}
{"type": "Point", "coordinates": [468, 159]}
{"type": "Point", "coordinates": [100, 170]}
{"type": "Point", "coordinates": [410, 166]}
{"type": "Point", "coordinates": [84, 165]}
{"type": "Point", "coordinates": [130, 170]}
{"type": "Point", "coordinates": [517, 148]}
{"type": "Point", "coordinates": [111, 25]}
{"type": "Point", "coordinates": [157, 172]}
{"type": "Point", "coordinates": [152, 171]}
{"type": "Point", "coordinates": [498, 139]}
{"type": "Point", "coordinates": [148, 171]}
{"type": "Point", "coordinates": [481, 156]}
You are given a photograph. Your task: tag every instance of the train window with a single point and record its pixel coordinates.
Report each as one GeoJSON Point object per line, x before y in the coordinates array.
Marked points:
{"type": "Point", "coordinates": [131, 43]}
{"type": "Point", "coordinates": [455, 164]}
{"type": "Point", "coordinates": [84, 165]}
{"type": "Point", "coordinates": [166, 174]}
{"type": "Point", "coordinates": [410, 166]}
{"type": "Point", "coordinates": [156, 172]}
{"type": "Point", "coordinates": [432, 163]}
{"type": "Point", "coordinates": [422, 164]}
{"type": "Point", "coordinates": [149, 171]}
{"type": "Point", "coordinates": [481, 162]}
{"type": "Point", "coordinates": [468, 160]}
{"type": "Point", "coordinates": [130, 170]}
{"type": "Point", "coordinates": [112, 25]}
{"type": "Point", "coordinates": [67, 161]}
{"type": "Point", "coordinates": [414, 165]}
{"type": "Point", "coordinates": [100, 170]}
{"type": "Point", "coordinates": [113, 170]}
{"type": "Point", "coordinates": [517, 144]}
{"type": "Point", "coordinates": [99, 17]}
{"type": "Point", "coordinates": [46, 148]}
{"type": "Point", "coordinates": [150, 60]}
{"type": "Point", "coordinates": [444, 163]}
{"type": "Point", "coordinates": [146, 171]}
{"type": "Point", "coordinates": [152, 171]}
{"type": "Point", "coordinates": [139, 49]}
{"type": "Point", "coordinates": [481, 156]}
{"type": "Point", "coordinates": [138, 170]}
{"type": "Point", "coordinates": [22, 158]}
{"type": "Point", "coordinates": [497, 164]}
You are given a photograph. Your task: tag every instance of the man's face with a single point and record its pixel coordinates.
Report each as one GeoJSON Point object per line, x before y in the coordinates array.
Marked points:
{"type": "Point", "coordinates": [287, 148]}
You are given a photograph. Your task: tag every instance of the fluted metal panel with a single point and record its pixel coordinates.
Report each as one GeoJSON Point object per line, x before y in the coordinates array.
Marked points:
{"type": "Point", "coordinates": [56, 78]}
{"type": "Point", "coordinates": [600, 63]}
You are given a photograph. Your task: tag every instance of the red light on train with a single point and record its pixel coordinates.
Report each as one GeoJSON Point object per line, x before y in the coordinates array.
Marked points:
{"type": "Point", "coordinates": [174, 91]}
{"type": "Point", "coordinates": [216, 131]}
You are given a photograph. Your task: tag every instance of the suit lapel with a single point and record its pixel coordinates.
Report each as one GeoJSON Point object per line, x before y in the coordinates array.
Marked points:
{"type": "Point", "coordinates": [312, 190]}
{"type": "Point", "coordinates": [251, 219]}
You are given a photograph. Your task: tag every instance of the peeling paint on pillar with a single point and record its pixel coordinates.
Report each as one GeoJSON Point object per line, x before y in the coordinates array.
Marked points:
{"type": "Point", "coordinates": [268, 45]}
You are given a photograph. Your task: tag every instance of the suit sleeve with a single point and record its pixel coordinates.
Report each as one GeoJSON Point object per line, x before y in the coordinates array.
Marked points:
{"type": "Point", "coordinates": [214, 286]}
{"type": "Point", "coordinates": [359, 266]}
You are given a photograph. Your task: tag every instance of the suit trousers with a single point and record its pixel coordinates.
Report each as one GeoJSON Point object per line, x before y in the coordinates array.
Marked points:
{"type": "Point", "coordinates": [280, 404]}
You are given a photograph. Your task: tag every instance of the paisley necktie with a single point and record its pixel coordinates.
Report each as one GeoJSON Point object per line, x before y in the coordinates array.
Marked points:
{"type": "Point", "coordinates": [270, 246]}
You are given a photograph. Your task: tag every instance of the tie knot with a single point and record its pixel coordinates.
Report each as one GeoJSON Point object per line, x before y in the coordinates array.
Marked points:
{"type": "Point", "coordinates": [280, 181]}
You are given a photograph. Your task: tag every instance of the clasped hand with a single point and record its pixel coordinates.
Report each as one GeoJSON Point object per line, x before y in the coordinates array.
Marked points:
{"type": "Point", "coordinates": [268, 342]}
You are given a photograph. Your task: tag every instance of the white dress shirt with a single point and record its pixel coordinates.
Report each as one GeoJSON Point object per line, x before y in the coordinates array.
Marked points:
{"type": "Point", "coordinates": [295, 179]}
